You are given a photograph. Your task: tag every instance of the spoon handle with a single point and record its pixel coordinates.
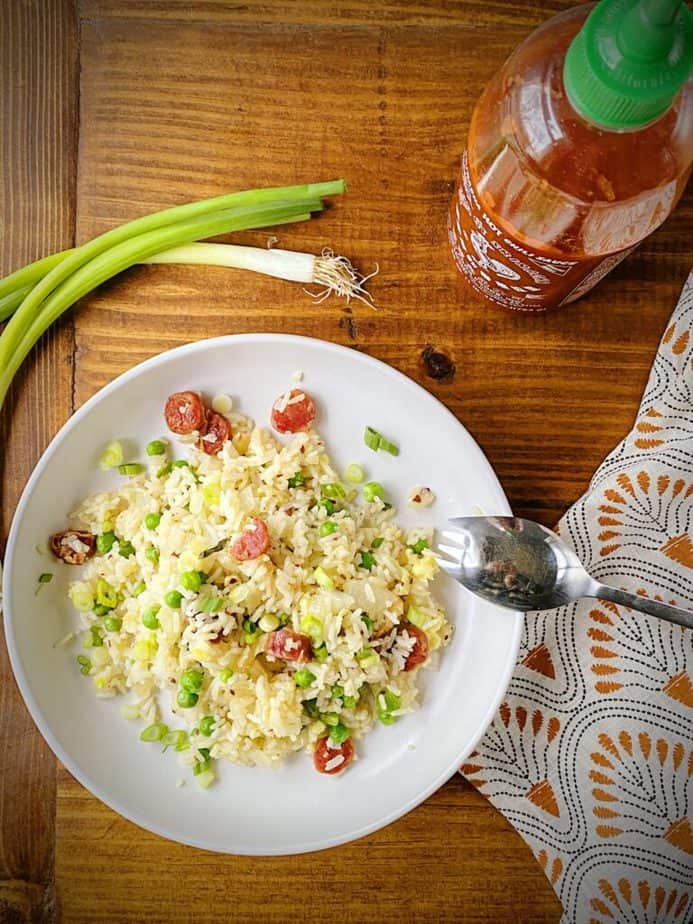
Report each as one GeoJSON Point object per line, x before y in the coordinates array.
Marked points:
{"type": "Point", "coordinates": [653, 607]}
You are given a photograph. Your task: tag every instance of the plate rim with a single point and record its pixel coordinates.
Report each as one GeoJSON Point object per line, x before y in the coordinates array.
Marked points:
{"type": "Point", "coordinates": [515, 620]}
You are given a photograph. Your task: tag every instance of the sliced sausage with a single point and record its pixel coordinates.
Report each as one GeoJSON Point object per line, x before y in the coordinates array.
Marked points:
{"type": "Point", "coordinates": [293, 412]}
{"type": "Point", "coordinates": [252, 542]}
{"type": "Point", "coordinates": [218, 431]}
{"type": "Point", "coordinates": [185, 412]}
{"type": "Point", "coordinates": [289, 646]}
{"type": "Point", "coordinates": [419, 652]}
{"type": "Point", "coordinates": [332, 758]}
{"type": "Point", "coordinates": [73, 546]}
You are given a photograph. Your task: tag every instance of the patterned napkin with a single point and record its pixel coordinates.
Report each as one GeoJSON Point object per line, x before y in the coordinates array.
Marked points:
{"type": "Point", "coordinates": [590, 756]}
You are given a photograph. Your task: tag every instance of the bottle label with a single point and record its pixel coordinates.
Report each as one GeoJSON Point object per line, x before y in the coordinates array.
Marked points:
{"type": "Point", "coordinates": [510, 273]}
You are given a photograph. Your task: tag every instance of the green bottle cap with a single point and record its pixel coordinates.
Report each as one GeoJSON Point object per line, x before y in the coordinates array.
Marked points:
{"type": "Point", "coordinates": [629, 60]}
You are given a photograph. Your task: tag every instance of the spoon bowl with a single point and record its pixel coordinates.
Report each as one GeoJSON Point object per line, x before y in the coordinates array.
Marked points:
{"type": "Point", "coordinates": [521, 565]}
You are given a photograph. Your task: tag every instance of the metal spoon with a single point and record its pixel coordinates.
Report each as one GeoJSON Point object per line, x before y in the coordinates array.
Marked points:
{"type": "Point", "coordinates": [524, 566]}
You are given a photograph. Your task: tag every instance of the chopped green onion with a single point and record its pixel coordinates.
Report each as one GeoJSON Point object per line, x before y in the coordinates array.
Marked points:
{"type": "Point", "coordinates": [206, 778]}
{"type": "Point", "coordinates": [101, 610]}
{"type": "Point", "coordinates": [104, 542]}
{"type": "Point", "coordinates": [367, 560]}
{"type": "Point", "coordinates": [376, 441]}
{"type": "Point", "coordinates": [323, 579]}
{"type": "Point", "coordinates": [131, 468]}
{"type": "Point", "coordinates": [130, 711]}
{"type": "Point", "coordinates": [387, 702]}
{"type": "Point", "coordinates": [96, 637]}
{"type": "Point", "coordinates": [152, 520]}
{"type": "Point", "coordinates": [126, 548]}
{"type": "Point", "coordinates": [149, 617]}
{"type": "Point", "coordinates": [373, 489]}
{"type": "Point", "coordinates": [81, 597]}
{"type": "Point", "coordinates": [368, 622]}
{"type": "Point", "coordinates": [297, 480]}
{"type": "Point", "coordinates": [112, 623]}
{"type": "Point", "coordinates": [320, 653]}
{"type": "Point", "coordinates": [191, 580]}
{"type": "Point", "coordinates": [164, 470]}
{"type": "Point", "coordinates": [327, 505]}
{"type": "Point", "coordinates": [371, 438]}
{"type": "Point", "coordinates": [418, 546]}
{"type": "Point", "coordinates": [207, 725]}
{"type": "Point", "coordinates": [367, 657]}
{"type": "Point", "coordinates": [177, 739]}
{"type": "Point", "coordinates": [84, 664]}
{"type": "Point", "coordinates": [312, 625]}
{"type": "Point", "coordinates": [251, 631]}
{"type": "Point", "coordinates": [327, 528]}
{"type": "Point", "coordinates": [180, 463]}
{"type": "Point", "coordinates": [173, 599]}
{"type": "Point", "coordinates": [269, 622]}
{"type": "Point", "coordinates": [349, 702]}
{"type": "Point", "coordinates": [45, 578]}
{"type": "Point", "coordinates": [416, 617]}
{"type": "Point", "coordinates": [377, 542]}
{"type": "Point", "coordinates": [210, 604]}
{"type": "Point", "coordinates": [153, 732]}
{"type": "Point", "coordinates": [339, 733]}
{"type": "Point", "coordinates": [311, 707]}
{"type": "Point", "coordinates": [392, 448]}
{"type": "Point", "coordinates": [192, 680]}
{"type": "Point", "coordinates": [151, 553]}
{"type": "Point", "coordinates": [156, 448]}
{"type": "Point", "coordinates": [111, 456]}
{"type": "Point", "coordinates": [144, 649]}
{"type": "Point", "coordinates": [106, 594]}
{"type": "Point", "coordinates": [337, 691]}
{"type": "Point", "coordinates": [304, 677]}
{"type": "Point", "coordinates": [139, 588]}
{"type": "Point", "coordinates": [332, 491]}
{"type": "Point", "coordinates": [226, 675]}
{"type": "Point", "coordinates": [284, 619]}
{"type": "Point", "coordinates": [186, 699]}
{"type": "Point", "coordinates": [354, 474]}
{"type": "Point", "coordinates": [330, 718]}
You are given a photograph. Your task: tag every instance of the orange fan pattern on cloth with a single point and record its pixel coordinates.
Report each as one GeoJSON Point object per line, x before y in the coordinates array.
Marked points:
{"type": "Point", "coordinates": [590, 756]}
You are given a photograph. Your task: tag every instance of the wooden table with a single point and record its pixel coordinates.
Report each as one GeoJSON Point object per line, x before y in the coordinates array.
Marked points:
{"type": "Point", "coordinates": [112, 108]}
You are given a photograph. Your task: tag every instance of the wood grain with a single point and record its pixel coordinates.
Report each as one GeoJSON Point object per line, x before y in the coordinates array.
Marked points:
{"type": "Point", "coordinates": [453, 859]}
{"type": "Point", "coordinates": [38, 113]}
{"type": "Point", "coordinates": [181, 100]}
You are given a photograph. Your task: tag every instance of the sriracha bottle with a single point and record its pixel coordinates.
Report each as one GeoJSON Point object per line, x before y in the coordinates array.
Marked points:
{"type": "Point", "coordinates": [578, 149]}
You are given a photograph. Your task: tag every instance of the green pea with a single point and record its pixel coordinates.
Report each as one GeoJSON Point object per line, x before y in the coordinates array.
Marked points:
{"type": "Point", "coordinates": [327, 528]}
{"type": "Point", "coordinates": [192, 681]}
{"type": "Point", "coordinates": [327, 505]}
{"type": "Point", "coordinates": [339, 733]}
{"type": "Point", "coordinates": [156, 448]}
{"type": "Point", "coordinates": [373, 489]}
{"type": "Point", "coordinates": [126, 548]}
{"type": "Point", "coordinates": [149, 618]}
{"type": "Point", "coordinates": [112, 623]}
{"type": "Point", "coordinates": [320, 653]}
{"type": "Point", "coordinates": [191, 580]}
{"type": "Point", "coordinates": [152, 520]}
{"type": "Point", "coordinates": [226, 675]}
{"type": "Point", "coordinates": [207, 725]}
{"type": "Point", "coordinates": [100, 609]}
{"type": "Point", "coordinates": [104, 542]}
{"type": "Point", "coordinates": [173, 599]}
{"type": "Point", "coordinates": [304, 677]}
{"type": "Point", "coordinates": [186, 699]}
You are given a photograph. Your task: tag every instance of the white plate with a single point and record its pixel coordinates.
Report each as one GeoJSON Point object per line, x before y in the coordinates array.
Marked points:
{"type": "Point", "coordinates": [259, 811]}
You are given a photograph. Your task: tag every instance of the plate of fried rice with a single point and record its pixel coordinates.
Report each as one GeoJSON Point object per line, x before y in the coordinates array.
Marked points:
{"type": "Point", "coordinates": [222, 603]}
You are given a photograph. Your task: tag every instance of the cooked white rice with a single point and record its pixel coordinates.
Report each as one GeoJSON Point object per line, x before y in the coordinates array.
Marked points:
{"type": "Point", "coordinates": [259, 714]}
